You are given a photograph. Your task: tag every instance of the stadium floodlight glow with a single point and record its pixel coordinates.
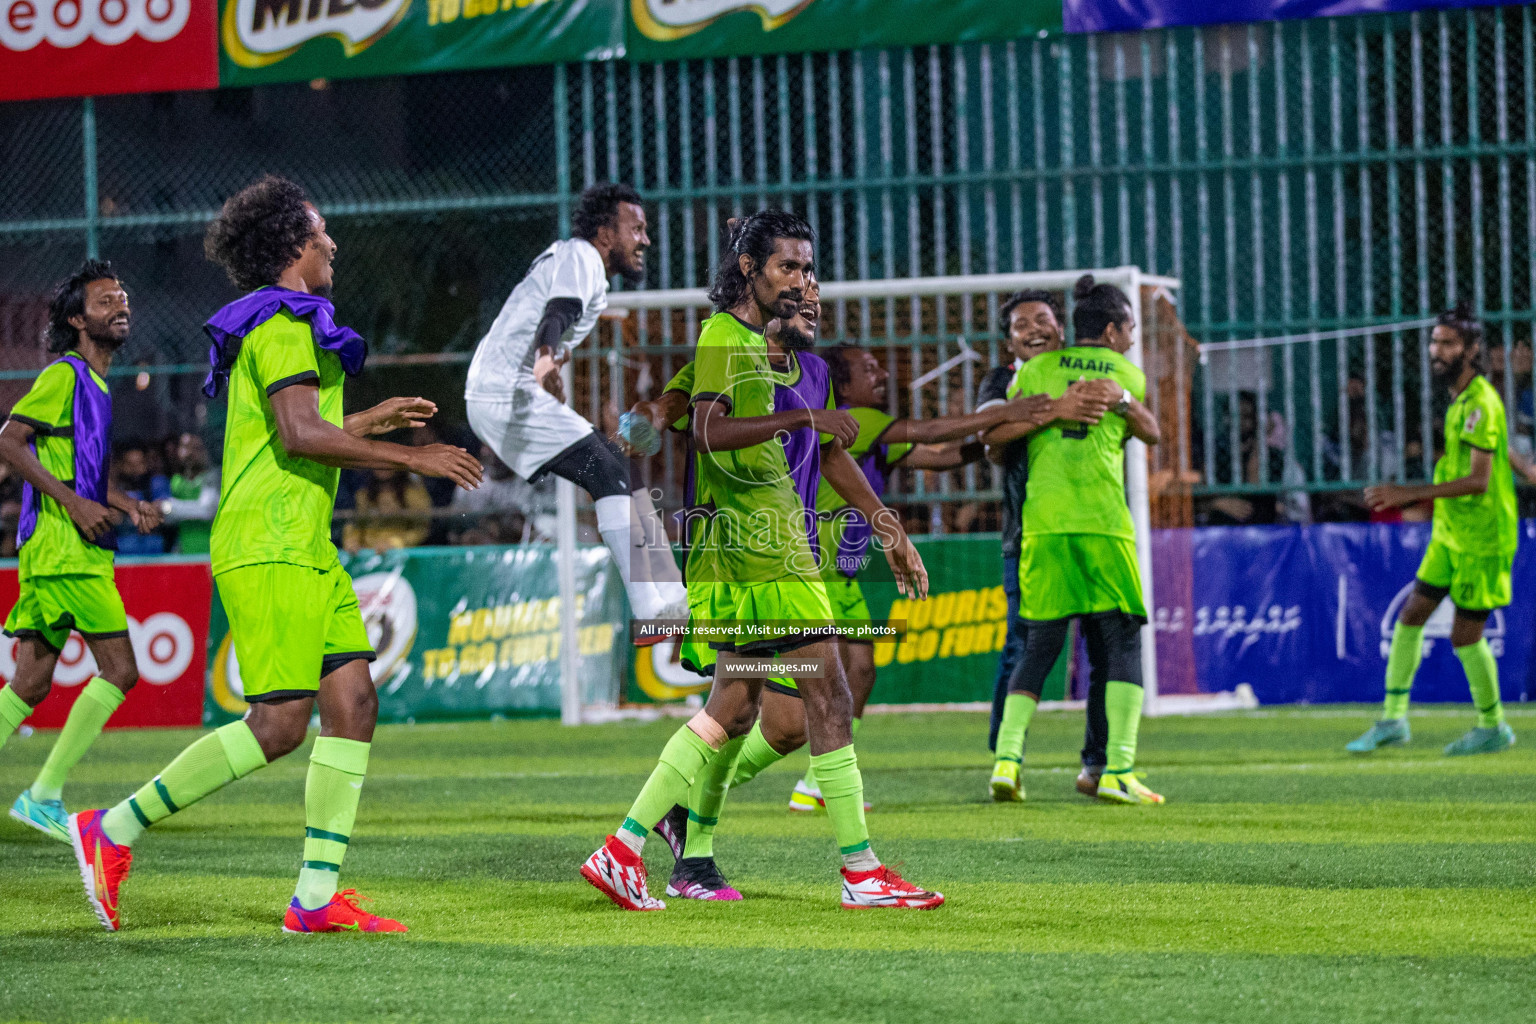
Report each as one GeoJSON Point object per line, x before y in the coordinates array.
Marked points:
{"type": "Point", "coordinates": [1129, 279]}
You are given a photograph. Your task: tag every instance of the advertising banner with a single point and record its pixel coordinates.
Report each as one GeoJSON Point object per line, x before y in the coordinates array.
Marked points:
{"type": "Point", "coordinates": [465, 632]}
{"type": "Point", "coordinates": [167, 605]}
{"type": "Point", "coordinates": [98, 47]}
{"type": "Point", "coordinates": [1129, 15]}
{"type": "Point", "coordinates": [1306, 613]}
{"type": "Point", "coordinates": [294, 40]}
{"type": "Point", "coordinates": [671, 29]}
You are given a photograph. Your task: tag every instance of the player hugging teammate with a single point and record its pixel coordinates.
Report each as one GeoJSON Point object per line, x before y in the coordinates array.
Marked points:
{"type": "Point", "coordinates": [1077, 556]}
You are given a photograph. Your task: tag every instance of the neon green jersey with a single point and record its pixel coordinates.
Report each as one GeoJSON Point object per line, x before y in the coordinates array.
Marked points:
{"type": "Point", "coordinates": [1076, 471]}
{"type": "Point", "coordinates": [274, 507]}
{"type": "Point", "coordinates": [56, 547]}
{"type": "Point", "coordinates": [682, 381]}
{"type": "Point", "coordinates": [755, 530]}
{"type": "Point", "coordinates": [876, 460]}
{"type": "Point", "coordinates": [1484, 524]}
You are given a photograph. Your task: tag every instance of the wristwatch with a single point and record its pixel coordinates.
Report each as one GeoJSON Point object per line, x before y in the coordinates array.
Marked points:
{"type": "Point", "coordinates": [1121, 407]}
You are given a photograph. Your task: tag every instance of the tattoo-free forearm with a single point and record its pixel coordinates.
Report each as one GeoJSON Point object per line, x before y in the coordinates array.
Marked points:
{"type": "Point", "coordinates": [715, 430]}
{"type": "Point", "coordinates": [15, 451]}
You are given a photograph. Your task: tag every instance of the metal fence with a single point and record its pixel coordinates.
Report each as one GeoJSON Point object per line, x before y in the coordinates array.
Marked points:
{"type": "Point", "coordinates": [1304, 176]}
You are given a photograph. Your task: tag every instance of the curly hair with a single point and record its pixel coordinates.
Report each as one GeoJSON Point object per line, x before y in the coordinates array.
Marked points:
{"type": "Point", "coordinates": [1017, 299]}
{"type": "Point", "coordinates": [598, 207]}
{"type": "Point", "coordinates": [69, 301]}
{"type": "Point", "coordinates": [755, 236]}
{"type": "Point", "coordinates": [260, 231]}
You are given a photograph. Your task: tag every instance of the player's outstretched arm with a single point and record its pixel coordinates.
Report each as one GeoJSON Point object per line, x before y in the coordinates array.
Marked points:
{"type": "Point", "coordinates": [716, 430]}
{"type": "Point", "coordinates": [640, 429]}
{"type": "Point", "coordinates": [1522, 466]}
{"type": "Point", "coordinates": [1142, 424]}
{"type": "Point", "coordinates": [304, 433]}
{"type": "Point", "coordinates": [951, 455]}
{"type": "Point", "coordinates": [1385, 496]}
{"type": "Point", "coordinates": [954, 428]}
{"type": "Point", "coordinates": [848, 480]}
{"type": "Point", "coordinates": [90, 518]}
{"type": "Point", "coordinates": [390, 414]}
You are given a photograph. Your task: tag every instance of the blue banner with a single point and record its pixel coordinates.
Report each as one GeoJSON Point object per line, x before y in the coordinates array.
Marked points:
{"type": "Point", "coordinates": [1129, 15]}
{"type": "Point", "coordinates": [1306, 613]}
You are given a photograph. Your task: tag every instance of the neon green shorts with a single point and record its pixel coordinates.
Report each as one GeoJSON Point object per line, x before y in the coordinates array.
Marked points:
{"type": "Point", "coordinates": [291, 625]}
{"type": "Point", "coordinates": [48, 607]}
{"type": "Point", "coordinates": [700, 658]}
{"type": "Point", "coordinates": [846, 598]}
{"type": "Point", "coordinates": [1476, 583]}
{"type": "Point", "coordinates": [780, 605]}
{"type": "Point", "coordinates": [1067, 574]}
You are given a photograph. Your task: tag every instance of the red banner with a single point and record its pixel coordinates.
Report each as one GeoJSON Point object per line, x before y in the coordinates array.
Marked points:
{"type": "Point", "coordinates": [167, 605]}
{"type": "Point", "coordinates": [98, 47]}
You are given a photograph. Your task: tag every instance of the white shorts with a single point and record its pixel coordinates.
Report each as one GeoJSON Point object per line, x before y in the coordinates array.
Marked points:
{"type": "Point", "coordinates": [527, 429]}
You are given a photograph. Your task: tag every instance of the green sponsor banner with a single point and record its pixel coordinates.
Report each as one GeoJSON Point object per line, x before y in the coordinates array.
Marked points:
{"type": "Point", "coordinates": [464, 632]}
{"type": "Point", "coordinates": [672, 29]}
{"type": "Point", "coordinates": [950, 648]}
{"type": "Point", "coordinates": [295, 40]}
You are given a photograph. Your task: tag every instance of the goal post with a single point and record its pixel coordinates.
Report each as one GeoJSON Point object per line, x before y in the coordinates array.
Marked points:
{"type": "Point", "coordinates": [928, 315]}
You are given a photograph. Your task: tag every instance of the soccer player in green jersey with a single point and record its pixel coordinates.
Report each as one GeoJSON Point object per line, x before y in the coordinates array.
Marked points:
{"type": "Point", "coordinates": [751, 565]}
{"type": "Point", "coordinates": [293, 615]}
{"type": "Point", "coordinates": [57, 440]}
{"type": "Point", "coordinates": [1077, 556]}
{"type": "Point", "coordinates": [1471, 543]}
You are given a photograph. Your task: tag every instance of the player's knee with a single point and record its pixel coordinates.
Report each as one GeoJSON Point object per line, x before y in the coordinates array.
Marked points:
{"type": "Point", "coordinates": [277, 735]}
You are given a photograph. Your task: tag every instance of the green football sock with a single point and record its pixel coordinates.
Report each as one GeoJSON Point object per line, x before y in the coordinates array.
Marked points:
{"type": "Point", "coordinates": [685, 753]}
{"type": "Point", "coordinates": [706, 798]}
{"type": "Point", "coordinates": [331, 791]}
{"type": "Point", "coordinates": [13, 711]}
{"type": "Point", "coordinates": [842, 788]}
{"type": "Point", "coordinates": [92, 709]}
{"type": "Point", "coordinates": [1483, 677]}
{"type": "Point", "coordinates": [1018, 710]}
{"type": "Point", "coordinates": [756, 754]}
{"type": "Point", "coordinates": [1402, 662]}
{"type": "Point", "coordinates": [213, 762]}
{"type": "Point", "coordinates": [808, 780]}
{"type": "Point", "coordinates": [1122, 706]}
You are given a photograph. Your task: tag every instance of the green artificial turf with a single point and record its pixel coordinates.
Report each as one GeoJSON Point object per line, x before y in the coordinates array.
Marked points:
{"type": "Point", "coordinates": [1283, 881]}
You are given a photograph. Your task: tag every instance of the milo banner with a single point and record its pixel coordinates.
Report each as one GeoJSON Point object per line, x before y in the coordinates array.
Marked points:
{"type": "Point", "coordinates": [464, 632]}
{"type": "Point", "coordinates": [293, 40]}
{"type": "Point", "coordinates": [671, 29]}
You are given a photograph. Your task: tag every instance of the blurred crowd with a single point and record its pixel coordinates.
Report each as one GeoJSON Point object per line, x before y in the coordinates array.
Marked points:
{"type": "Point", "coordinates": [377, 510]}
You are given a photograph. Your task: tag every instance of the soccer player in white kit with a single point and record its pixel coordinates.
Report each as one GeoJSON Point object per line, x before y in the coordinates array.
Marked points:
{"type": "Point", "coordinates": [514, 395]}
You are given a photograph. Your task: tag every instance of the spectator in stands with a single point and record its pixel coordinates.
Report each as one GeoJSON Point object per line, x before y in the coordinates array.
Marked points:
{"type": "Point", "coordinates": [378, 527]}
{"type": "Point", "coordinates": [10, 510]}
{"type": "Point", "coordinates": [194, 496]}
{"type": "Point", "coordinates": [500, 511]}
{"type": "Point", "coordinates": [136, 479]}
